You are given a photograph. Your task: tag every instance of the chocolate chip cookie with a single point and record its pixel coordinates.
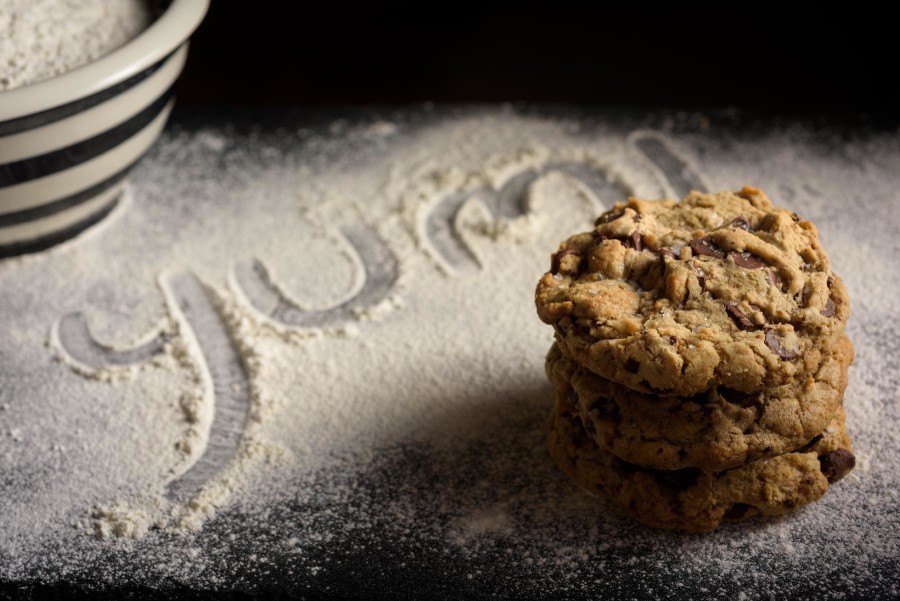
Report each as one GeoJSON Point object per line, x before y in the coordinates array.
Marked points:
{"type": "Point", "coordinates": [681, 297]}
{"type": "Point", "coordinates": [714, 430]}
{"type": "Point", "coordinates": [693, 499]}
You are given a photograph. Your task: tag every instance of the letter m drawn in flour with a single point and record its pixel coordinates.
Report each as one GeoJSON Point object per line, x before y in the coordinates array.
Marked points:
{"type": "Point", "coordinates": [440, 230]}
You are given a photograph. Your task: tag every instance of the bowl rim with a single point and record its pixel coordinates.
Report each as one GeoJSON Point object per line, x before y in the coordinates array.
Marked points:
{"type": "Point", "coordinates": [164, 35]}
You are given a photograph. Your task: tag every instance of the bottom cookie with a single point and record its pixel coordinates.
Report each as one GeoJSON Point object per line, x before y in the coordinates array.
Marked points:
{"type": "Point", "coordinates": [691, 499]}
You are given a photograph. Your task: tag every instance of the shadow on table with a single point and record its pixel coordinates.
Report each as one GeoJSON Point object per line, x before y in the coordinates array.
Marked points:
{"type": "Point", "coordinates": [476, 471]}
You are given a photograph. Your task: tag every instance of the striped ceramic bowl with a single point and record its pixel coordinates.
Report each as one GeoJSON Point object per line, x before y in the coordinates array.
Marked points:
{"type": "Point", "coordinates": [68, 143]}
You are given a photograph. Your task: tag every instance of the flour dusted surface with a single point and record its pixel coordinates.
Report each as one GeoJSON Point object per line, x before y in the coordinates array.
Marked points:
{"type": "Point", "coordinates": [43, 38]}
{"type": "Point", "coordinates": [404, 443]}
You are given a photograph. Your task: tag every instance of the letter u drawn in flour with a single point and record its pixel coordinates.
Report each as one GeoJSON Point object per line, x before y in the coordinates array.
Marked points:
{"type": "Point", "coordinates": [378, 273]}
{"type": "Point", "coordinates": [440, 231]}
{"type": "Point", "coordinates": [223, 377]}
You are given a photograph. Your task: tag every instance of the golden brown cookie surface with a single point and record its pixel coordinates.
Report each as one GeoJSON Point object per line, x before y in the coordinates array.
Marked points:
{"type": "Point", "coordinates": [696, 500]}
{"type": "Point", "coordinates": [680, 297]}
{"type": "Point", "coordinates": [714, 430]}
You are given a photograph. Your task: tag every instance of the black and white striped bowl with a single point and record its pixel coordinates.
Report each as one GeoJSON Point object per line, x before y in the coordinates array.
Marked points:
{"type": "Point", "coordinates": [67, 143]}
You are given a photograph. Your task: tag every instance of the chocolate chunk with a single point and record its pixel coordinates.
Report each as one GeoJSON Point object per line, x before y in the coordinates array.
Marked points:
{"type": "Point", "coordinates": [774, 279]}
{"type": "Point", "coordinates": [678, 480]}
{"type": "Point", "coordinates": [557, 256]}
{"type": "Point", "coordinates": [747, 260]}
{"type": "Point", "coordinates": [828, 311]}
{"type": "Point", "coordinates": [631, 366]}
{"type": "Point", "coordinates": [637, 241]}
{"type": "Point", "coordinates": [673, 340]}
{"type": "Point", "coordinates": [705, 246]}
{"type": "Point", "coordinates": [664, 253]}
{"type": "Point", "coordinates": [739, 318]}
{"type": "Point", "coordinates": [608, 217]}
{"type": "Point", "coordinates": [837, 464]}
{"type": "Point", "coordinates": [701, 278]}
{"type": "Point", "coordinates": [774, 343]}
{"type": "Point", "coordinates": [742, 223]}
{"type": "Point", "coordinates": [737, 511]}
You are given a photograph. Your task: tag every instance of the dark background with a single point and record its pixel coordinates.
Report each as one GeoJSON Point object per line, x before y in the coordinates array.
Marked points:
{"type": "Point", "coordinates": [786, 60]}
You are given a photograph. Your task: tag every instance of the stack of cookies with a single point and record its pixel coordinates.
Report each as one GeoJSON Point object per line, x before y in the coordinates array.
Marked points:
{"type": "Point", "coordinates": [700, 360]}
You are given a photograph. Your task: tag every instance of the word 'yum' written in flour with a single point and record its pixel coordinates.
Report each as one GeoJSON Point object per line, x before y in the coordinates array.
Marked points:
{"type": "Point", "coordinates": [210, 340]}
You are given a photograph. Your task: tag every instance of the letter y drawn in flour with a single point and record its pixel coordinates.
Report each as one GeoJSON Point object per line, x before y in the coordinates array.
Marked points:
{"type": "Point", "coordinates": [440, 230]}
{"type": "Point", "coordinates": [379, 272]}
{"type": "Point", "coordinates": [222, 373]}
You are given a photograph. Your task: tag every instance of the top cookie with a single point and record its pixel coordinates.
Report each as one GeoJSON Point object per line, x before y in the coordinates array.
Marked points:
{"type": "Point", "coordinates": [679, 297]}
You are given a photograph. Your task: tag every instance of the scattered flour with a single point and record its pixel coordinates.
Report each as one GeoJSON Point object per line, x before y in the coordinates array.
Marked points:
{"type": "Point", "coordinates": [494, 520]}
{"type": "Point", "coordinates": [403, 442]}
{"type": "Point", "coordinates": [119, 521]}
{"type": "Point", "coordinates": [40, 39]}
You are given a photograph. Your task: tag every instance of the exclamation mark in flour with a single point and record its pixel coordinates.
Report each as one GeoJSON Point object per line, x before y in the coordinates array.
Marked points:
{"type": "Point", "coordinates": [678, 172]}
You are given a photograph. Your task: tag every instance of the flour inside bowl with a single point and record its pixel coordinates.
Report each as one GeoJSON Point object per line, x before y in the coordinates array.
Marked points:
{"type": "Point", "coordinates": [40, 39]}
